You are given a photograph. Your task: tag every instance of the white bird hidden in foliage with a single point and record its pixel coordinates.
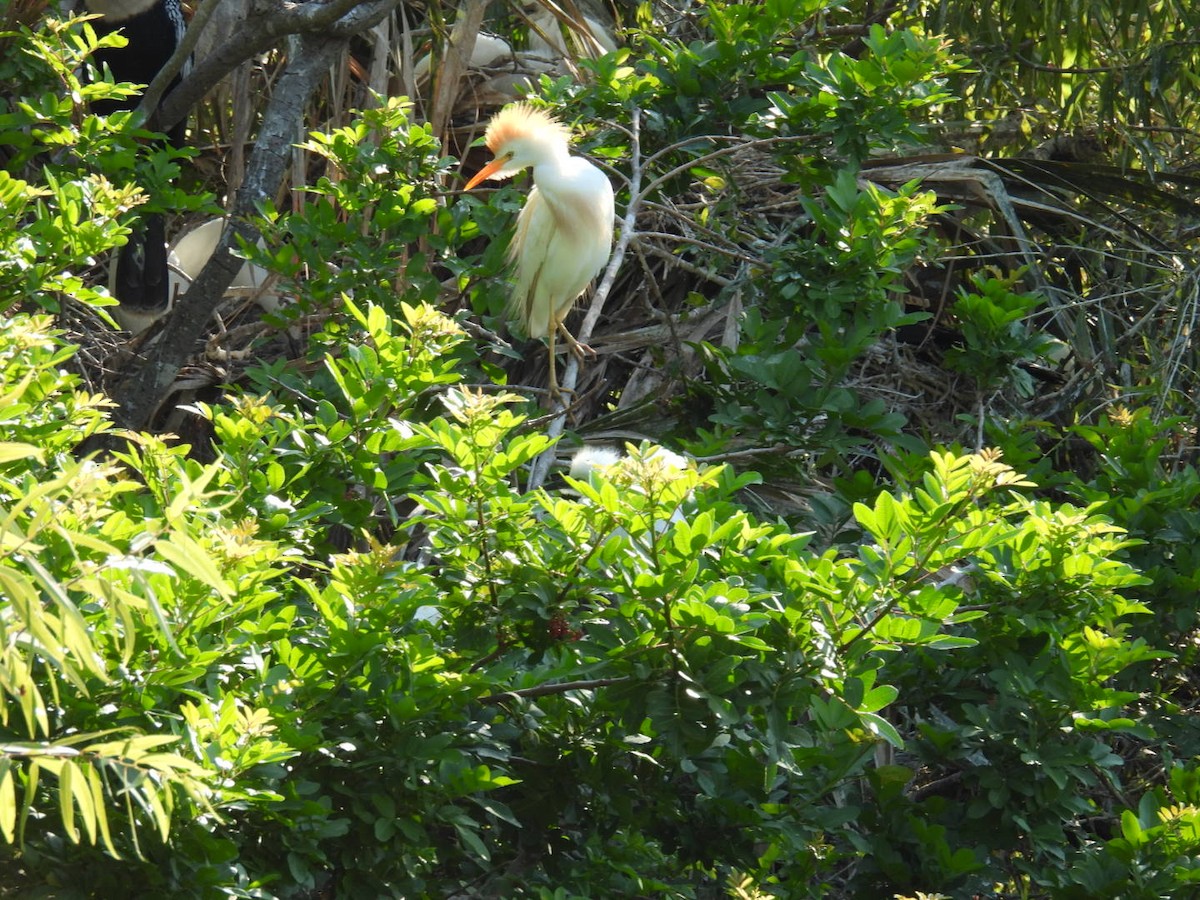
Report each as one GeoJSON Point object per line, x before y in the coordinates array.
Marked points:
{"type": "Point", "coordinates": [591, 459]}
{"type": "Point", "coordinates": [546, 34]}
{"type": "Point", "coordinates": [488, 50]}
{"type": "Point", "coordinates": [565, 230]}
{"type": "Point", "coordinates": [187, 256]}
{"type": "Point", "coordinates": [646, 469]}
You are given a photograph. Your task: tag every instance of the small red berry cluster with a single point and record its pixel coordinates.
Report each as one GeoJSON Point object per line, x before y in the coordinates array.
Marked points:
{"type": "Point", "coordinates": [559, 629]}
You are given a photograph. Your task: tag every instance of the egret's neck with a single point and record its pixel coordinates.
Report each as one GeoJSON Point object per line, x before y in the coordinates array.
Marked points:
{"type": "Point", "coordinates": [119, 10]}
{"type": "Point", "coordinates": [554, 163]}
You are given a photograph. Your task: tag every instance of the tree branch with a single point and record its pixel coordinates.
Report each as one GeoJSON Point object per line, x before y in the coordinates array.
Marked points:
{"type": "Point", "coordinates": [140, 393]}
{"type": "Point", "coordinates": [562, 687]}
{"type": "Point", "coordinates": [455, 62]}
{"type": "Point", "coordinates": [154, 91]}
{"type": "Point", "coordinates": [261, 32]}
{"type": "Point", "coordinates": [257, 37]}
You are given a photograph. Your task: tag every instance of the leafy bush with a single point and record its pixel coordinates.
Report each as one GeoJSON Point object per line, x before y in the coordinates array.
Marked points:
{"type": "Point", "coordinates": [748, 110]}
{"type": "Point", "coordinates": [1017, 740]}
{"type": "Point", "coordinates": [85, 585]}
{"type": "Point", "coordinates": [354, 230]}
{"type": "Point", "coordinates": [625, 684]}
{"type": "Point", "coordinates": [83, 175]}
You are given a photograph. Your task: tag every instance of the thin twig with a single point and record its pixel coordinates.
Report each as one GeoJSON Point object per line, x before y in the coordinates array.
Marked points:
{"type": "Point", "coordinates": [742, 144]}
{"type": "Point", "coordinates": [704, 245]}
{"type": "Point", "coordinates": [681, 263]}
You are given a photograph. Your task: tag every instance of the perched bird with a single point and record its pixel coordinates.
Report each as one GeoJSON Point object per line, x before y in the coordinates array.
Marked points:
{"type": "Point", "coordinates": [153, 29]}
{"type": "Point", "coordinates": [489, 50]}
{"type": "Point", "coordinates": [564, 232]}
{"type": "Point", "coordinates": [546, 34]}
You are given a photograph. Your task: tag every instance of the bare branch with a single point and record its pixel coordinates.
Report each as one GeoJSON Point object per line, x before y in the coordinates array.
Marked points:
{"type": "Point", "coordinates": [704, 245]}
{"type": "Point", "coordinates": [545, 690]}
{"type": "Point", "coordinates": [739, 145]}
{"type": "Point", "coordinates": [141, 392]}
{"type": "Point", "coordinates": [337, 19]}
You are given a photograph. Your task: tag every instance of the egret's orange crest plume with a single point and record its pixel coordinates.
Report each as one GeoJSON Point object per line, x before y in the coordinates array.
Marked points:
{"type": "Point", "coordinates": [520, 120]}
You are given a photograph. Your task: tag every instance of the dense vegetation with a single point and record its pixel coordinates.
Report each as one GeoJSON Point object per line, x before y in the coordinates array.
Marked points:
{"type": "Point", "coordinates": [892, 591]}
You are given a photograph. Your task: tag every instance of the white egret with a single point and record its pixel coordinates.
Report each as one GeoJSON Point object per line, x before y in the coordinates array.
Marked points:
{"type": "Point", "coordinates": [546, 34]}
{"type": "Point", "coordinates": [565, 230]}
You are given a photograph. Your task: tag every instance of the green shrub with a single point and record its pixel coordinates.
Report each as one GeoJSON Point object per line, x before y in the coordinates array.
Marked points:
{"type": "Point", "coordinates": [72, 182]}
{"type": "Point", "coordinates": [629, 685]}
{"type": "Point", "coordinates": [353, 656]}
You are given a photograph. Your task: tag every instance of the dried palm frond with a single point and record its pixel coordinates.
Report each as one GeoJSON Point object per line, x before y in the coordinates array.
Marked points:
{"type": "Point", "coordinates": [1100, 243]}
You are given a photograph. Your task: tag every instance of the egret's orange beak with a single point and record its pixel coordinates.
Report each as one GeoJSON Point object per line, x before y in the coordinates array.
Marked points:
{"type": "Point", "coordinates": [494, 166]}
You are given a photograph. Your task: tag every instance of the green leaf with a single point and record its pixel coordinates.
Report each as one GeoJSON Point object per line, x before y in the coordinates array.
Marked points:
{"type": "Point", "coordinates": [13, 450]}
{"type": "Point", "coordinates": [878, 698]}
{"type": "Point", "coordinates": [66, 797]}
{"type": "Point", "coordinates": [885, 729]}
{"type": "Point", "coordinates": [1131, 830]}
{"type": "Point", "coordinates": [8, 800]}
{"type": "Point", "coordinates": [182, 551]}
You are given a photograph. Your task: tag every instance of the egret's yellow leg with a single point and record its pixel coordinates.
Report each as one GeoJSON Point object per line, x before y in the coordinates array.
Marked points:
{"type": "Point", "coordinates": [579, 350]}
{"type": "Point", "coordinates": [555, 394]}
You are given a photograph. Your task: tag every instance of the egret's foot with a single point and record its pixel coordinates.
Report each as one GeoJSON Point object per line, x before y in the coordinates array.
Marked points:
{"type": "Point", "coordinates": [578, 350]}
{"type": "Point", "coordinates": [560, 397]}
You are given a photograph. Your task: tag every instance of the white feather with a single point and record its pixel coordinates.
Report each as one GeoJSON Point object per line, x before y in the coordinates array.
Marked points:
{"type": "Point", "coordinates": [556, 247]}
{"type": "Point", "coordinates": [590, 459]}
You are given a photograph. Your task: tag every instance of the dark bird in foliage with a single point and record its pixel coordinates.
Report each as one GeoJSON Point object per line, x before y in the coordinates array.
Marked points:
{"type": "Point", "coordinates": [153, 29]}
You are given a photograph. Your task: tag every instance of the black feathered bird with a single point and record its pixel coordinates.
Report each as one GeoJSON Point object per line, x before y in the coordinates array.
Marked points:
{"type": "Point", "coordinates": [153, 29]}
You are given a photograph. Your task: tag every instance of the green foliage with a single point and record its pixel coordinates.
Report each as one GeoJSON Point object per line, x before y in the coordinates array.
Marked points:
{"type": "Point", "coordinates": [71, 182]}
{"type": "Point", "coordinates": [149, 604]}
{"type": "Point", "coordinates": [1156, 851]}
{"type": "Point", "coordinates": [82, 598]}
{"type": "Point", "coordinates": [996, 334]}
{"type": "Point", "coordinates": [1108, 65]}
{"type": "Point", "coordinates": [351, 656]}
{"type": "Point", "coordinates": [869, 103]}
{"type": "Point", "coordinates": [356, 232]}
{"type": "Point", "coordinates": [313, 458]}
{"type": "Point", "coordinates": [830, 298]}
{"type": "Point", "coordinates": [622, 685]}
{"type": "Point", "coordinates": [735, 76]}
{"type": "Point", "coordinates": [1031, 716]}
{"type": "Point", "coordinates": [819, 286]}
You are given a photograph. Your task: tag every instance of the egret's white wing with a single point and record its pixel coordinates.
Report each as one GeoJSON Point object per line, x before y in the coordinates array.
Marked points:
{"type": "Point", "coordinates": [563, 238]}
